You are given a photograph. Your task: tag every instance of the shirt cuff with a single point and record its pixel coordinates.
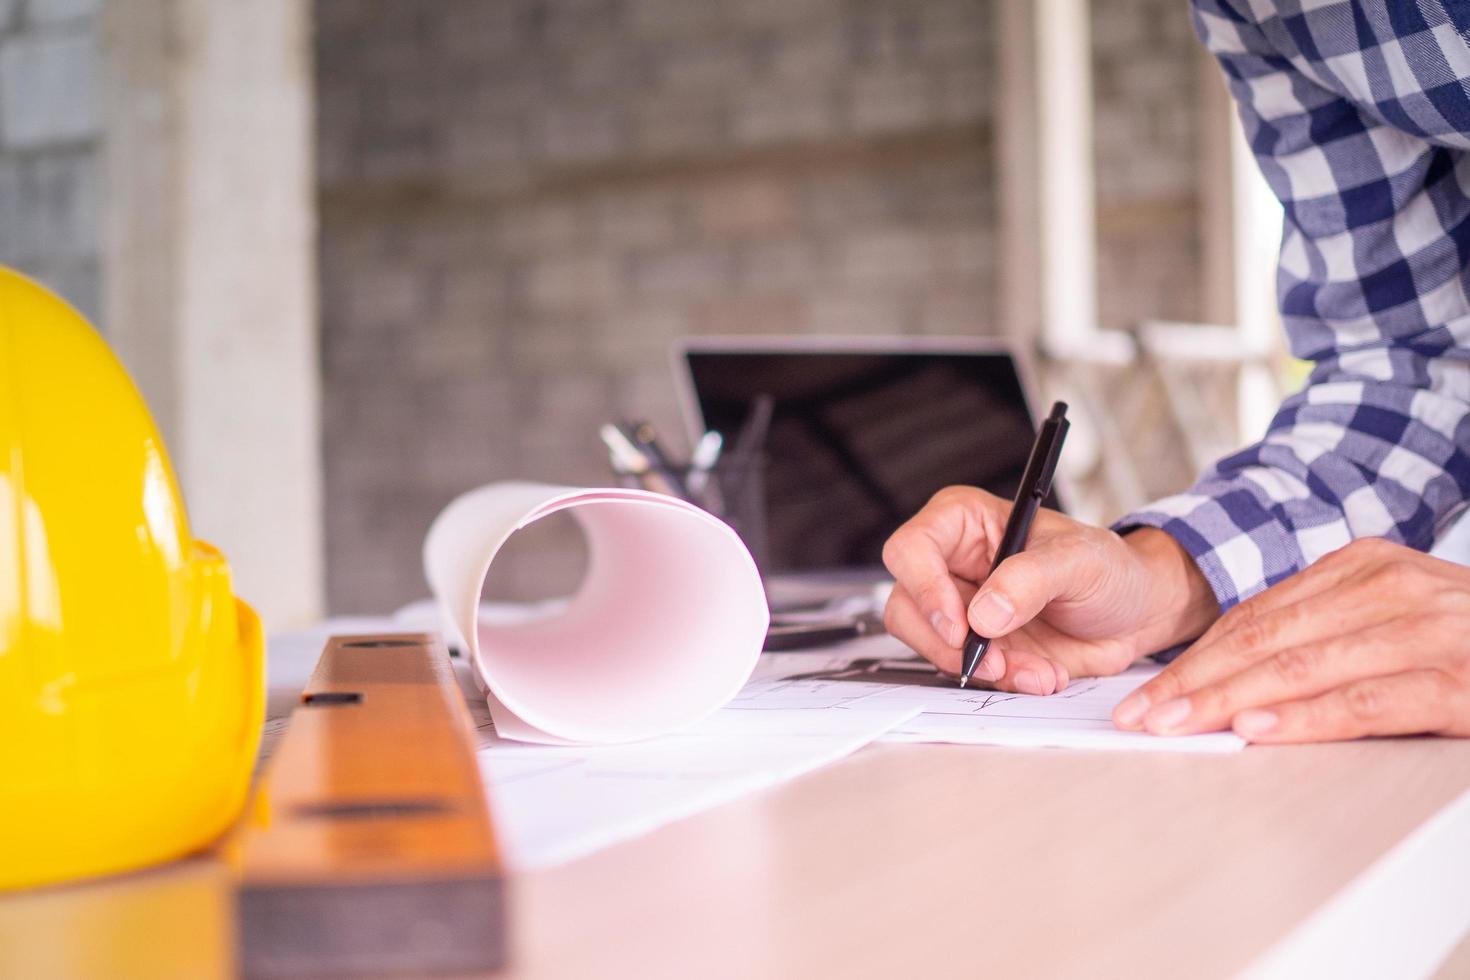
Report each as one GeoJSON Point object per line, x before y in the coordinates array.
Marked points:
{"type": "Point", "coordinates": [1236, 542]}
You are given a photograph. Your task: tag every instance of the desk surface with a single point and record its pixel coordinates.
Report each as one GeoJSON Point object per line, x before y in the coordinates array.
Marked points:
{"type": "Point", "coordinates": [903, 860]}
{"type": "Point", "coordinates": [1075, 864]}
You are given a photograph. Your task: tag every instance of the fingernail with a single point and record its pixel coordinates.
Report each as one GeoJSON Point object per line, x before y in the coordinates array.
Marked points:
{"type": "Point", "coordinates": [1254, 721]}
{"type": "Point", "coordinates": [947, 631]}
{"type": "Point", "coordinates": [1063, 678]}
{"type": "Point", "coordinates": [991, 613]}
{"type": "Point", "coordinates": [1169, 715]}
{"type": "Point", "coordinates": [1130, 710]}
{"type": "Point", "coordinates": [1028, 683]}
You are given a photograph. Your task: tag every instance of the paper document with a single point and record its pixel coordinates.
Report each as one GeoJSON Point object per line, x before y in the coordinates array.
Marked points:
{"type": "Point", "coordinates": [664, 629]}
{"type": "Point", "coordinates": [882, 672]}
{"type": "Point", "coordinates": [801, 711]}
{"type": "Point", "coordinates": [556, 803]}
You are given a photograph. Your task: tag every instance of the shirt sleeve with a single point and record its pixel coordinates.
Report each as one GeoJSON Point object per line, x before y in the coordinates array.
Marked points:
{"type": "Point", "coordinates": [1372, 290]}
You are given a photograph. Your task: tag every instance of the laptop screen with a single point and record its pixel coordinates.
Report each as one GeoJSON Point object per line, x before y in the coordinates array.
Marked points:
{"type": "Point", "coordinates": [861, 439]}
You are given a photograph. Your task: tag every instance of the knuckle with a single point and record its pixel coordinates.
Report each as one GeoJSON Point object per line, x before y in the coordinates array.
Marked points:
{"type": "Point", "coordinates": [1216, 630]}
{"type": "Point", "coordinates": [1251, 635]}
{"type": "Point", "coordinates": [954, 495]}
{"type": "Point", "coordinates": [1394, 575]}
{"type": "Point", "coordinates": [1458, 661]}
{"type": "Point", "coordinates": [1169, 683]}
{"type": "Point", "coordinates": [1368, 547]}
{"type": "Point", "coordinates": [1446, 622]}
{"type": "Point", "coordinates": [1454, 606]}
{"type": "Point", "coordinates": [1160, 689]}
{"type": "Point", "coordinates": [1209, 700]}
{"type": "Point", "coordinates": [1294, 667]}
{"type": "Point", "coordinates": [1249, 631]}
{"type": "Point", "coordinates": [1450, 702]}
{"type": "Point", "coordinates": [1365, 702]}
{"type": "Point", "coordinates": [925, 595]}
{"type": "Point", "coordinates": [1452, 695]}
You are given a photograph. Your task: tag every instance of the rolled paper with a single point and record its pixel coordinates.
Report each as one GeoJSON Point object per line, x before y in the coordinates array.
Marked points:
{"type": "Point", "coordinates": [664, 628]}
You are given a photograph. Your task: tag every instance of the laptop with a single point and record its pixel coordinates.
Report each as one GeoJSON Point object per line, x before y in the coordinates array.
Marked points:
{"type": "Point", "coordinates": [863, 432]}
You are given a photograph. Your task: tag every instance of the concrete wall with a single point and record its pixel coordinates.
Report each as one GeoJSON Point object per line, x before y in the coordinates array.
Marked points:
{"type": "Point", "coordinates": [1148, 70]}
{"type": "Point", "coordinates": [522, 203]}
{"type": "Point", "coordinates": [50, 145]}
{"type": "Point", "coordinates": [1147, 139]}
{"type": "Point", "coordinates": [155, 170]}
{"type": "Point", "coordinates": [210, 273]}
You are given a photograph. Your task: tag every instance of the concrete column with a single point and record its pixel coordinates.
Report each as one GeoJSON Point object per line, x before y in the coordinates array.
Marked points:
{"type": "Point", "coordinates": [209, 271]}
{"type": "Point", "coordinates": [1216, 190]}
{"type": "Point", "coordinates": [1048, 209]}
{"type": "Point", "coordinates": [1048, 218]}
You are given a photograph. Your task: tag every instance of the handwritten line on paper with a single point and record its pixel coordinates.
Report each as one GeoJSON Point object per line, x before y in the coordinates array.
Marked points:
{"type": "Point", "coordinates": [881, 672]}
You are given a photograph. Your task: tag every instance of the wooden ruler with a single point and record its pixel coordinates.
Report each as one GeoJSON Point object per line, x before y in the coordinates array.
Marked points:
{"type": "Point", "coordinates": [369, 849]}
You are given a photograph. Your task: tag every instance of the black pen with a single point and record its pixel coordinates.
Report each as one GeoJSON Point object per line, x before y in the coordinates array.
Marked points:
{"type": "Point", "coordinates": [1035, 485]}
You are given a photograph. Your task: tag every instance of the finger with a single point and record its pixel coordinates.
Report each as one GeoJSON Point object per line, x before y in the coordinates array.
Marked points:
{"type": "Point", "coordinates": [1299, 651]}
{"type": "Point", "coordinates": [922, 555]}
{"type": "Point", "coordinates": [906, 621]}
{"type": "Point", "coordinates": [922, 575]}
{"type": "Point", "coordinates": [1003, 667]}
{"type": "Point", "coordinates": [1252, 631]}
{"type": "Point", "coordinates": [1289, 675]}
{"type": "Point", "coordinates": [1069, 656]}
{"type": "Point", "coordinates": [1024, 671]}
{"type": "Point", "coordinates": [1401, 704]}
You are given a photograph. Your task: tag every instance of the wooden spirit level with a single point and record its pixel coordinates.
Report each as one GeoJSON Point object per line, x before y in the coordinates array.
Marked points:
{"type": "Point", "coordinates": [369, 849]}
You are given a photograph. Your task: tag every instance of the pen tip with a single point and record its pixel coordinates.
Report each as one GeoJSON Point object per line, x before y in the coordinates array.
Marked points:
{"type": "Point", "coordinates": [964, 680]}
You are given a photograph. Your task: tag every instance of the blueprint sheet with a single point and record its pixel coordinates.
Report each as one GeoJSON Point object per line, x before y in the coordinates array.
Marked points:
{"type": "Point", "coordinates": [552, 804]}
{"type": "Point", "coordinates": [881, 671]}
{"type": "Point", "coordinates": [798, 712]}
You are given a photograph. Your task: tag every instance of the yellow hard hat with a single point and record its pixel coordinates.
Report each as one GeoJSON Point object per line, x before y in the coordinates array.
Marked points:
{"type": "Point", "coordinates": [131, 678]}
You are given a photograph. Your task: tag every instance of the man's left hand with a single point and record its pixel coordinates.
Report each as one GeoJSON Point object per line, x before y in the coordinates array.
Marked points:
{"type": "Point", "coordinates": [1374, 639]}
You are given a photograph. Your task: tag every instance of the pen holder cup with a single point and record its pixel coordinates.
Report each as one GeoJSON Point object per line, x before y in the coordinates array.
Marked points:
{"type": "Point", "coordinates": [733, 491]}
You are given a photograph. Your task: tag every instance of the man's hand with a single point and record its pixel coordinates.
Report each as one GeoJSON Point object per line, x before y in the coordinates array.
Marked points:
{"type": "Point", "coordinates": [1374, 639]}
{"type": "Point", "coordinates": [1079, 600]}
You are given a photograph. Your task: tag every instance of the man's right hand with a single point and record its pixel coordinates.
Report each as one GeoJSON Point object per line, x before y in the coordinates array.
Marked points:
{"type": "Point", "coordinates": [1078, 601]}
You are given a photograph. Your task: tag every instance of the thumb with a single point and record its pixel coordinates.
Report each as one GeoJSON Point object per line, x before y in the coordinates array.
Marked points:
{"type": "Point", "coordinates": [1016, 592]}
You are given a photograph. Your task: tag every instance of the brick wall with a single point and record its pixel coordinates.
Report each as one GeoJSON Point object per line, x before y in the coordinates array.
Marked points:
{"type": "Point", "coordinates": [50, 145]}
{"type": "Point", "coordinates": [524, 201]}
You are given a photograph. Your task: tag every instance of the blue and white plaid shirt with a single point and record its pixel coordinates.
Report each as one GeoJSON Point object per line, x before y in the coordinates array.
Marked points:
{"type": "Point", "coordinates": [1359, 114]}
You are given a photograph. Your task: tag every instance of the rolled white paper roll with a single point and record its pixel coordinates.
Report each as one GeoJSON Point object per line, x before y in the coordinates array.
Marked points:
{"type": "Point", "coordinates": [664, 629]}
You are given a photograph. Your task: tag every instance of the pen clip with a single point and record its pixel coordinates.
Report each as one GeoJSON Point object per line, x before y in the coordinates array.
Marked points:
{"type": "Point", "coordinates": [1054, 430]}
